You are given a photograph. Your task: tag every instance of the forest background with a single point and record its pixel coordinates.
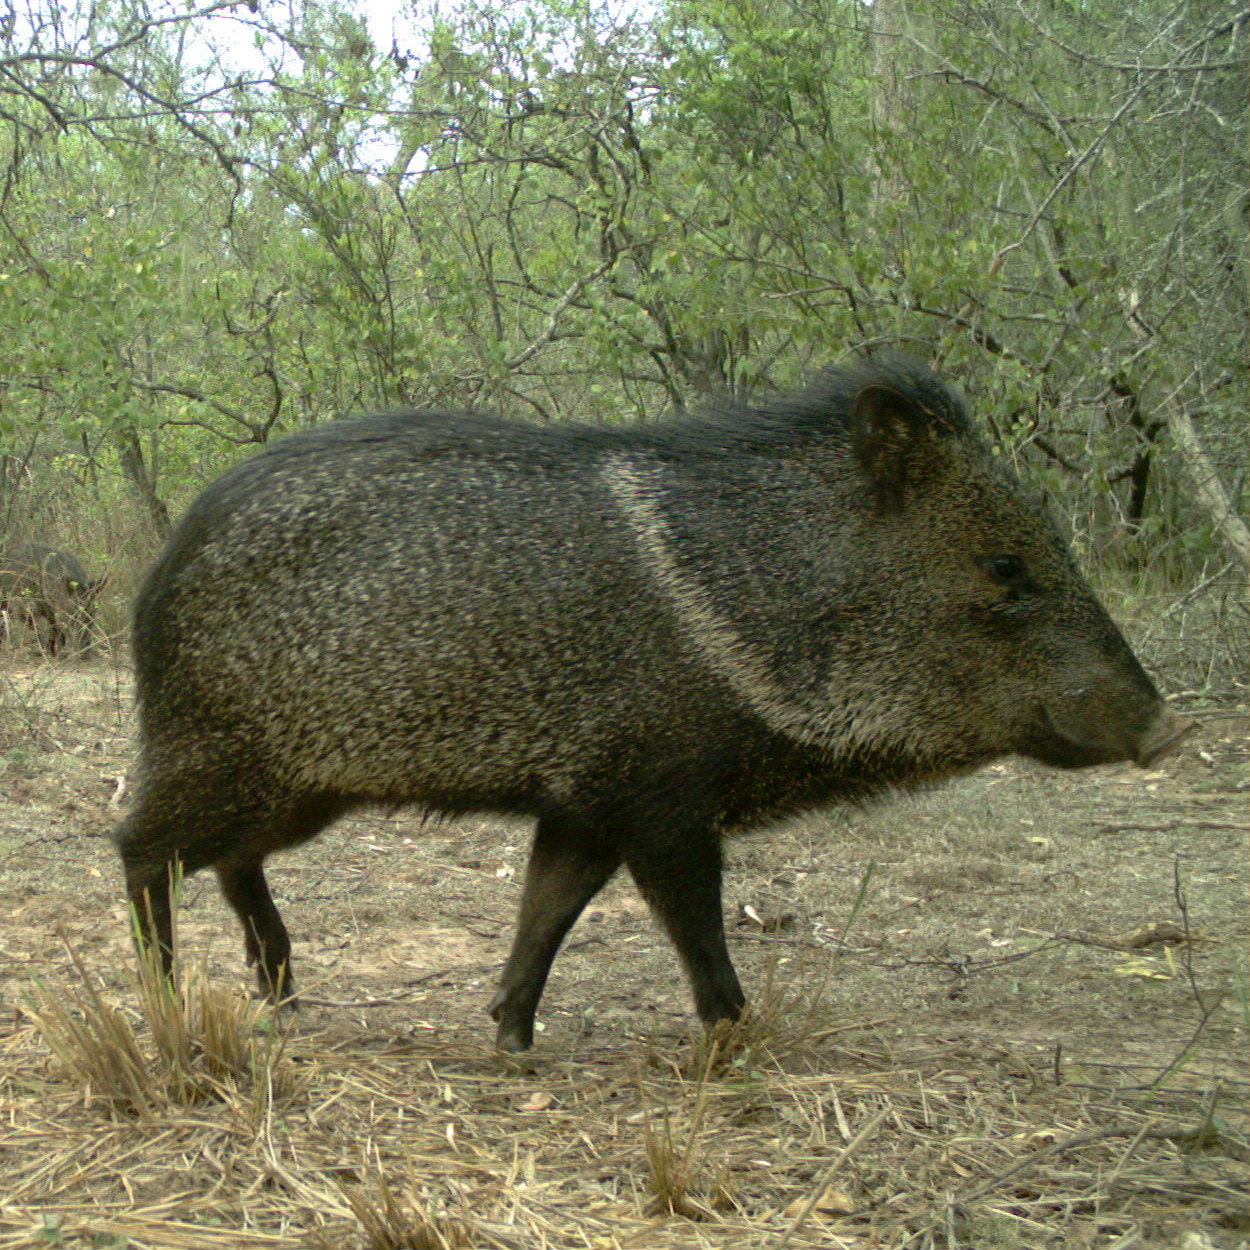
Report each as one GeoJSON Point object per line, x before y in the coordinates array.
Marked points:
{"type": "Point", "coordinates": [223, 222]}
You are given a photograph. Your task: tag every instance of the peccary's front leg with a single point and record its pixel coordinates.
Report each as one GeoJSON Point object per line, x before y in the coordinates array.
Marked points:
{"type": "Point", "coordinates": [569, 864]}
{"type": "Point", "coordinates": [680, 877]}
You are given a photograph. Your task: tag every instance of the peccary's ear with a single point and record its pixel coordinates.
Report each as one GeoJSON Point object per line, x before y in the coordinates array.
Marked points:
{"type": "Point", "coordinates": [888, 431]}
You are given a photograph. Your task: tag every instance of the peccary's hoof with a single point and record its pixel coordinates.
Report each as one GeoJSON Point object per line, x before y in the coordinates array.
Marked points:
{"type": "Point", "coordinates": [511, 1043]}
{"type": "Point", "coordinates": [514, 1036]}
{"type": "Point", "coordinates": [278, 988]}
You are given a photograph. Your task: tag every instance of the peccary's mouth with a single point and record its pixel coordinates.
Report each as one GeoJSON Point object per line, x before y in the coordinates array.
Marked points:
{"type": "Point", "coordinates": [1167, 733]}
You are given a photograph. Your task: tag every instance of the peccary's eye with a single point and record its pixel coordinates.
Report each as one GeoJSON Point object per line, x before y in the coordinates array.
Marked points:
{"type": "Point", "coordinates": [1008, 568]}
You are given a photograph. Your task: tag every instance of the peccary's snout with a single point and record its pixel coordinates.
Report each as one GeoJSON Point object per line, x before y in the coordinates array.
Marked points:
{"type": "Point", "coordinates": [1167, 732]}
{"type": "Point", "coordinates": [1108, 724]}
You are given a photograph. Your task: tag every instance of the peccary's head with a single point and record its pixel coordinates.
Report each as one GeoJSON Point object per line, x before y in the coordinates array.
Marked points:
{"type": "Point", "coordinates": [969, 631]}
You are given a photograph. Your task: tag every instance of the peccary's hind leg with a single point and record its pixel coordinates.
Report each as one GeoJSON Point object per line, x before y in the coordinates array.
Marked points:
{"type": "Point", "coordinates": [569, 864]}
{"type": "Point", "coordinates": [221, 820]}
{"type": "Point", "coordinates": [155, 857]}
{"type": "Point", "coordinates": [267, 943]}
{"type": "Point", "coordinates": [680, 877]}
{"type": "Point", "coordinates": [149, 887]}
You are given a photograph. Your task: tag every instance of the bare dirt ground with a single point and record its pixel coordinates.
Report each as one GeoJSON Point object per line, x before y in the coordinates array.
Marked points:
{"type": "Point", "coordinates": [1009, 1013]}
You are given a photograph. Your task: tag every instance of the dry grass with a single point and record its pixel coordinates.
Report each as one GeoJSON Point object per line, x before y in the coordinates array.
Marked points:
{"type": "Point", "coordinates": [389, 1221]}
{"type": "Point", "coordinates": [192, 1041]}
{"type": "Point", "coordinates": [409, 1146]}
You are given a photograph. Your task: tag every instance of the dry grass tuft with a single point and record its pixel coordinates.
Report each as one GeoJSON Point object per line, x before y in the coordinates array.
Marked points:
{"type": "Point", "coordinates": [201, 1041]}
{"type": "Point", "coordinates": [784, 1024]}
{"type": "Point", "coordinates": [391, 1222]}
{"type": "Point", "coordinates": [677, 1170]}
{"type": "Point", "coordinates": [97, 1044]}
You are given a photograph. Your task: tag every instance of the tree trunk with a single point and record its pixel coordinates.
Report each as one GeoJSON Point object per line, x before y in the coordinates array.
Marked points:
{"type": "Point", "coordinates": [1211, 494]}
{"type": "Point", "coordinates": [135, 471]}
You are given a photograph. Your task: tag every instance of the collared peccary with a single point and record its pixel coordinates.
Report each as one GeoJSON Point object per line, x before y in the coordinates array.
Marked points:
{"type": "Point", "coordinates": [646, 638]}
{"type": "Point", "coordinates": [48, 590]}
